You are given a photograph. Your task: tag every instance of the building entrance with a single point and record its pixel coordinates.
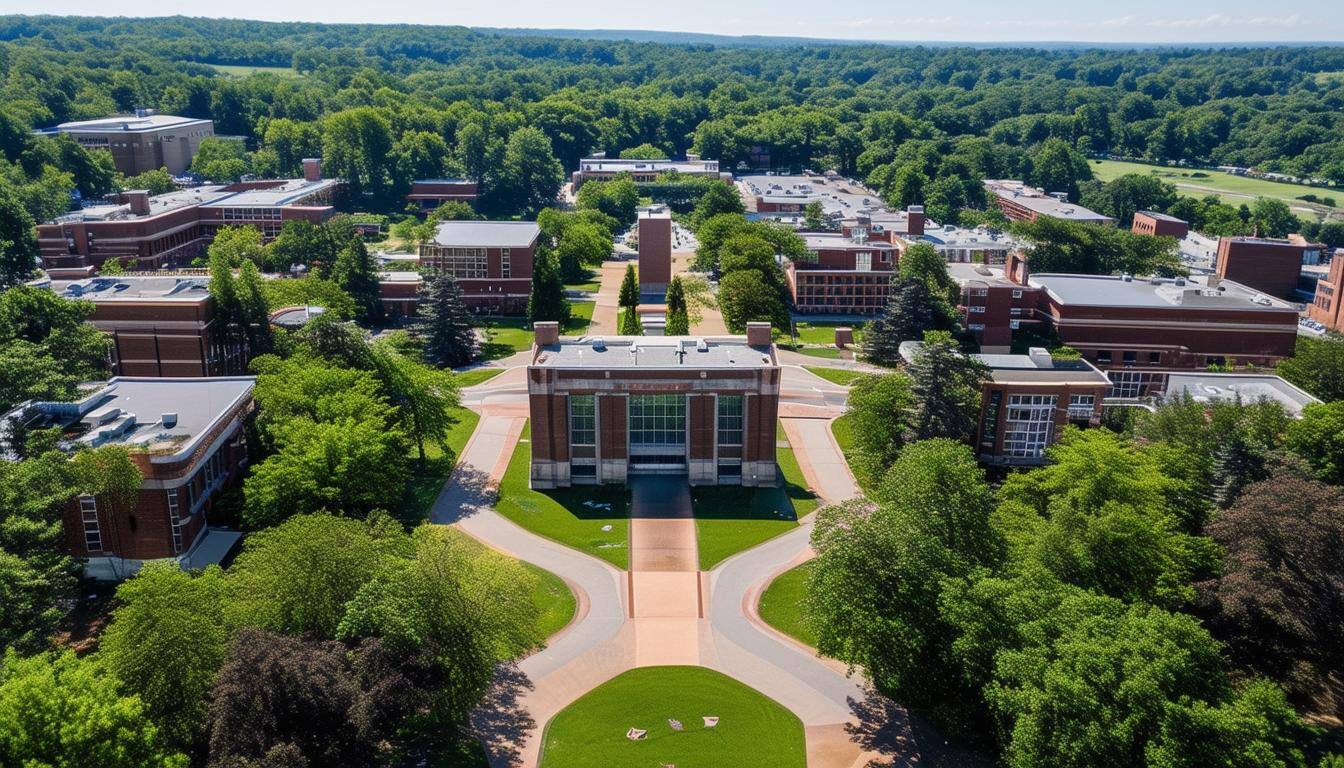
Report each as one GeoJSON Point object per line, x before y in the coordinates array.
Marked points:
{"type": "Point", "coordinates": [657, 429]}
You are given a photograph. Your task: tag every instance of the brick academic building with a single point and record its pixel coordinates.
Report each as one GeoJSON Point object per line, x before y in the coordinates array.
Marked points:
{"type": "Point", "coordinates": [846, 274]}
{"type": "Point", "coordinates": [605, 409]}
{"type": "Point", "coordinates": [492, 261]}
{"type": "Point", "coordinates": [144, 141]}
{"type": "Point", "coordinates": [186, 436]}
{"type": "Point", "coordinates": [150, 232]}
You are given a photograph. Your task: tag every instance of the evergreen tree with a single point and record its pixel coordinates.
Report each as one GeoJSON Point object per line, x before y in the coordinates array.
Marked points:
{"type": "Point", "coordinates": [629, 296]}
{"type": "Point", "coordinates": [911, 311]}
{"type": "Point", "coordinates": [630, 325]}
{"type": "Point", "coordinates": [678, 321]}
{"type": "Point", "coordinates": [355, 272]}
{"type": "Point", "coordinates": [547, 300]}
{"type": "Point", "coordinates": [445, 322]}
{"type": "Point", "coordinates": [946, 389]}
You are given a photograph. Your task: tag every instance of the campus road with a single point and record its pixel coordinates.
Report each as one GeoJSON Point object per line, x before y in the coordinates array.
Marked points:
{"type": "Point", "coordinates": [845, 726]}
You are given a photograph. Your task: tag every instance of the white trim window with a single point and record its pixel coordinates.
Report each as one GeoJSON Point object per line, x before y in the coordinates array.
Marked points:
{"type": "Point", "coordinates": [863, 262]}
{"type": "Point", "coordinates": [1082, 406]}
{"type": "Point", "coordinates": [1030, 422]}
{"type": "Point", "coordinates": [505, 262]}
{"type": "Point", "coordinates": [582, 420]}
{"type": "Point", "coordinates": [88, 514]}
{"type": "Point", "coordinates": [731, 417]}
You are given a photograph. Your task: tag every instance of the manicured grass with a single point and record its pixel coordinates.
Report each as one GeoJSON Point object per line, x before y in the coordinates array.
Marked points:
{"type": "Point", "coordinates": [240, 70]}
{"type": "Point", "coordinates": [427, 478]}
{"type": "Point", "coordinates": [843, 431]}
{"type": "Point", "coordinates": [753, 731]}
{"type": "Point", "coordinates": [730, 519]}
{"type": "Point", "coordinates": [590, 286]}
{"type": "Point", "coordinates": [781, 604]}
{"type": "Point", "coordinates": [506, 335]}
{"type": "Point", "coordinates": [552, 597]}
{"type": "Point", "coordinates": [824, 333]}
{"type": "Point", "coordinates": [572, 516]}
{"type": "Point", "coordinates": [1234, 190]}
{"type": "Point", "coordinates": [835, 375]}
{"type": "Point", "coordinates": [476, 376]}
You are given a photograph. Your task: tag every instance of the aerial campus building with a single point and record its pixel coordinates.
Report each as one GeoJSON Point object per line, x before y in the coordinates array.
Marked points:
{"type": "Point", "coordinates": [142, 142]}
{"type": "Point", "coordinates": [187, 438]}
{"type": "Point", "coordinates": [604, 409]}
{"type": "Point", "coordinates": [601, 168]}
{"type": "Point", "coordinates": [1023, 202]}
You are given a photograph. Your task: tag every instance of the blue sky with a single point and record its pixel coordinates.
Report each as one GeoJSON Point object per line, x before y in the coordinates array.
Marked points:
{"type": "Point", "coordinates": [940, 20]}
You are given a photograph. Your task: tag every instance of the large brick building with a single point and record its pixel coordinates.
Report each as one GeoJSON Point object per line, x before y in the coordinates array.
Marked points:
{"type": "Point", "coordinates": [186, 436]}
{"type": "Point", "coordinates": [844, 275]}
{"type": "Point", "coordinates": [1272, 266]}
{"type": "Point", "coordinates": [993, 307]}
{"type": "Point", "coordinates": [160, 325]}
{"type": "Point", "coordinates": [428, 194]}
{"type": "Point", "coordinates": [492, 261]}
{"type": "Point", "coordinates": [1327, 305]}
{"type": "Point", "coordinates": [1022, 202]}
{"type": "Point", "coordinates": [1159, 224]}
{"type": "Point", "coordinates": [643, 171]}
{"type": "Point", "coordinates": [144, 141]}
{"type": "Point", "coordinates": [153, 231]}
{"type": "Point", "coordinates": [603, 409]}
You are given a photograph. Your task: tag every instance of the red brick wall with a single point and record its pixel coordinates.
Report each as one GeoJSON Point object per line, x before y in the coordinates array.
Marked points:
{"type": "Point", "coordinates": [655, 251]}
{"type": "Point", "coordinates": [1269, 267]}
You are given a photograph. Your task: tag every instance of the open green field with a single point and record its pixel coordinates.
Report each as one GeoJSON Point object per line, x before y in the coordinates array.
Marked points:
{"type": "Point", "coordinates": [781, 604]}
{"type": "Point", "coordinates": [574, 516]}
{"type": "Point", "coordinates": [730, 519]}
{"type": "Point", "coordinates": [506, 335]}
{"type": "Point", "coordinates": [1232, 189]}
{"type": "Point", "coordinates": [839, 376]}
{"type": "Point", "coordinates": [476, 376]}
{"type": "Point", "coordinates": [824, 333]}
{"type": "Point", "coordinates": [240, 70]}
{"type": "Point", "coordinates": [753, 731]}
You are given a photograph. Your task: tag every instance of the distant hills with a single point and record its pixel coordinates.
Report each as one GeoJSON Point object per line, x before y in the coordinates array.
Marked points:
{"type": "Point", "coordinates": [767, 41]}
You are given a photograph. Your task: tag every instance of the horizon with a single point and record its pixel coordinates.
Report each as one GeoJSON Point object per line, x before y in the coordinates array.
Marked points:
{"type": "Point", "coordinates": [1143, 23]}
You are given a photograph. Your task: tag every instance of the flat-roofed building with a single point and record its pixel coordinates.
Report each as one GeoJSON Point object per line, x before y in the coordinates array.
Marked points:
{"type": "Point", "coordinates": [1133, 327]}
{"type": "Point", "coordinates": [1207, 387]}
{"type": "Point", "coordinates": [492, 261]}
{"type": "Point", "coordinates": [1027, 400]}
{"type": "Point", "coordinates": [160, 325]}
{"type": "Point", "coordinates": [604, 409]}
{"type": "Point", "coordinates": [1159, 224]}
{"type": "Point", "coordinates": [643, 171]}
{"type": "Point", "coordinates": [844, 275]}
{"type": "Point", "coordinates": [144, 141]}
{"type": "Point", "coordinates": [187, 438]}
{"type": "Point", "coordinates": [1023, 202]}
{"type": "Point", "coordinates": [1269, 265]}
{"type": "Point", "coordinates": [149, 232]}
{"type": "Point", "coordinates": [959, 245]}
{"type": "Point", "coordinates": [785, 198]}
{"type": "Point", "coordinates": [993, 307]}
{"type": "Point", "coordinates": [1327, 304]}
{"type": "Point", "coordinates": [428, 194]}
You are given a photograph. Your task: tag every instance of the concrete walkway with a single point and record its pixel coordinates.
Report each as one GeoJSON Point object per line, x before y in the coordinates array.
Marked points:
{"type": "Point", "coordinates": [606, 310]}
{"type": "Point", "coordinates": [666, 607]}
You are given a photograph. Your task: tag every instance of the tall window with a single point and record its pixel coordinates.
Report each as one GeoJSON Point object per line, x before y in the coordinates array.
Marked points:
{"type": "Point", "coordinates": [505, 262]}
{"type": "Point", "coordinates": [88, 512]}
{"type": "Point", "coordinates": [1028, 426]}
{"type": "Point", "coordinates": [657, 420]}
{"type": "Point", "coordinates": [730, 419]}
{"type": "Point", "coordinates": [460, 262]}
{"type": "Point", "coordinates": [863, 262]}
{"type": "Point", "coordinates": [175, 519]}
{"type": "Point", "coordinates": [582, 420]}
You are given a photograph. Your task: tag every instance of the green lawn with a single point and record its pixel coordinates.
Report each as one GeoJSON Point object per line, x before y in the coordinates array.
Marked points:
{"type": "Point", "coordinates": [552, 596]}
{"type": "Point", "coordinates": [239, 70]}
{"type": "Point", "coordinates": [825, 353]}
{"type": "Point", "coordinates": [506, 335]}
{"type": "Point", "coordinates": [590, 286]}
{"type": "Point", "coordinates": [427, 478]}
{"type": "Point", "coordinates": [572, 516]}
{"type": "Point", "coordinates": [839, 376]}
{"type": "Point", "coordinates": [824, 333]}
{"type": "Point", "coordinates": [753, 731]}
{"type": "Point", "coordinates": [476, 376]}
{"type": "Point", "coordinates": [1233, 189]}
{"type": "Point", "coordinates": [781, 604]}
{"type": "Point", "coordinates": [729, 519]}
{"type": "Point", "coordinates": [843, 430]}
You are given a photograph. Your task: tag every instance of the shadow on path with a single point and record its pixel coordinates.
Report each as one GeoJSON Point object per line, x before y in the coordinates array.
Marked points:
{"type": "Point", "coordinates": [468, 490]}
{"type": "Point", "coordinates": [903, 739]}
{"type": "Point", "coordinates": [500, 721]}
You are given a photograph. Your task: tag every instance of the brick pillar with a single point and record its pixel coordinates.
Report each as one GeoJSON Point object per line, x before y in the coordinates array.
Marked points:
{"type": "Point", "coordinates": [612, 453]}
{"type": "Point", "coordinates": [758, 334]}
{"type": "Point", "coordinates": [701, 417]}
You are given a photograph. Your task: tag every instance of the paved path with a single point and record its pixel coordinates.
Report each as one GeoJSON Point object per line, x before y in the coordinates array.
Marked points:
{"type": "Point", "coordinates": [665, 610]}
{"type": "Point", "coordinates": [606, 311]}
{"type": "Point", "coordinates": [711, 319]}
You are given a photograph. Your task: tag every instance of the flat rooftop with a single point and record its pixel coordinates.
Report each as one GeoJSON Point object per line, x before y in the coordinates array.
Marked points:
{"type": "Point", "coordinates": [129, 123]}
{"type": "Point", "coordinates": [1160, 216]}
{"type": "Point", "coordinates": [839, 198]}
{"type": "Point", "coordinates": [834, 240]}
{"type": "Point", "coordinates": [1037, 201]}
{"type": "Point", "coordinates": [1156, 292]}
{"type": "Point", "coordinates": [282, 192]}
{"type": "Point", "coordinates": [165, 417]}
{"type": "Point", "coordinates": [655, 353]}
{"type": "Point", "coordinates": [288, 192]}
{"type": "Point", "coordinates": [1037, 367]}
{"type": "Point", "coordinates": [618, 165]}
{"type": "Point", "coordinates": [980, 238]}
{"type": "Point", "coordinates": [131, 287]}
{"type": "Point", "coordinates": [487, 234]}
{"type": "Point", "coordinates": [964, 273]}
{"type": "Point", "coordinates": [1206, 387]}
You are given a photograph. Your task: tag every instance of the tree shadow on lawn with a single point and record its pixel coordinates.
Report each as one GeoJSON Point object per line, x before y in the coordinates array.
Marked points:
{"type": "Point", "coordinates": [906, 740]}
{"type": "Point", "coordinates": [499, 720]}
{"type": "Point", "coordinates": [423, 487]}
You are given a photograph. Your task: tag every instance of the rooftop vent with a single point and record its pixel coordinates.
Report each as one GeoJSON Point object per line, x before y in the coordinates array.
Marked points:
{"type": "Point", "coordinates": [169, 420]}
{"type": "Point", "coordinates": [701, 345]}
{"type": "Point", "coordinates": [600, 344]}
